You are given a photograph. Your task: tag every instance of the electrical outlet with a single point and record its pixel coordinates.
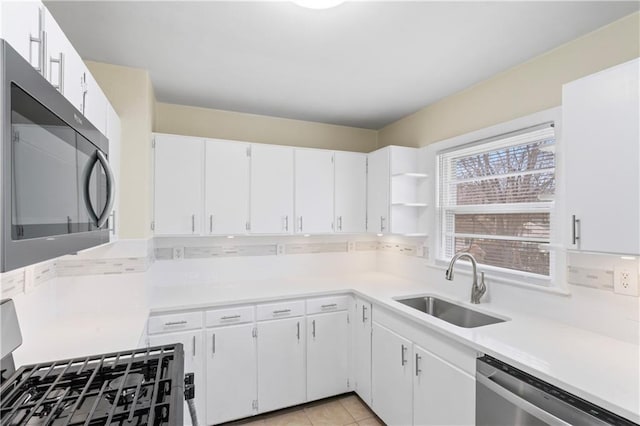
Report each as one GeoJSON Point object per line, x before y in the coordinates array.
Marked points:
{"type": "Point", "coordinates": [178, 253]}
{"type": "Point", "coordinates": [625, 281]}
{"type": "Point", "coordinates": [279, 249]}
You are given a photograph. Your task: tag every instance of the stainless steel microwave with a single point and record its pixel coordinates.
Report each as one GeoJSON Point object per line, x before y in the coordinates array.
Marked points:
{"type": "Point", "coordinates": [57, 186]}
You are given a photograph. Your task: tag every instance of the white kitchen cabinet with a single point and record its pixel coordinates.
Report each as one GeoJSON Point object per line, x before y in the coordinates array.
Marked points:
{"type": "Point", "coordinates": [313, 191]}
{"type": "Point", "coordinates": [442, 393]}
{"type": "Point", "coordinates": [226, 187]}
{"type": "Point", "coordinates": [327, 355]}
{"type": "Point", "coordinates": [600, 134]}
{"type": "Point", "coordinates": [193, 363]}
{"type": "Point", "coordinates": [350, 192]}
{"type": "Point", "coordinates": [281, 363]}
{"type": "Point", "coordinates": [94, 103]}
{"type": "Point", "coordinates": [271, 189]}
{"type": "Point", "coordinates": [392, 376]}
{"type": "Point", "coordinates": [178, 164]}
{"type": "Point", "coordinates": [362, 350]}
{"type": "Point", "coordinates": [114, 136]}
{"type": "Point", "coordinates": [23, 27]}
{"type": "Point", "coordinates": [231, 373]}
{"type": "Point", "coordinates": [378, 191]}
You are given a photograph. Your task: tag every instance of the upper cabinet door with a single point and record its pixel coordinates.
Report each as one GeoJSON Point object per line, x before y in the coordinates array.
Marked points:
{"type": "Point", "coordinates": [22, 28]}
{"type": "Point", "coordinates": [313, 191]}
{"type": "Point", "coordinates": [600, 132]}
{"type": "Point", "coordinates": [271, 189]}
{"type": "Point", "coordinates": [226, 187]}
{"type": "Point", "coordinates": [350, 192]}
{"type": "Point", "coordinates": [178, 185]}
{"type": "Point", "coordinates": [378, 182]}
{"type": "Point", "coordinates": [95, 103]}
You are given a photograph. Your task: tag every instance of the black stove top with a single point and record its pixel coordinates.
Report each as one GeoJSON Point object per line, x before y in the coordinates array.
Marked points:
{"type": "Point", "coordinates": [136, 387]}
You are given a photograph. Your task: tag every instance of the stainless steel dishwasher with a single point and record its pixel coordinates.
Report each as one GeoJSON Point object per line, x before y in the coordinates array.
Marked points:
{"type": "Point", "coordinates": [508, 396]}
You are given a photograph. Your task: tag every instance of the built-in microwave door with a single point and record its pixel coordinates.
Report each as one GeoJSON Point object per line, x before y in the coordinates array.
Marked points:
{"type": "Point", "coordinates": [44, 199]}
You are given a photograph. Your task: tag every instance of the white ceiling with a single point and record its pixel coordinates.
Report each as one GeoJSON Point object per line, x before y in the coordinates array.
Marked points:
{"type": "Point", "coordinates": [362, 64]}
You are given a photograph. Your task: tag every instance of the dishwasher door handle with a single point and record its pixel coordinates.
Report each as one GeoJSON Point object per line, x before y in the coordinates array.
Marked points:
{"type": "Point", "coordinates": [521, 403]}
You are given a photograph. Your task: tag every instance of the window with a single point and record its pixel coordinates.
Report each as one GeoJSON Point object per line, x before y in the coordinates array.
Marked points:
{"type": "Point", "coordinates": [495, 201]}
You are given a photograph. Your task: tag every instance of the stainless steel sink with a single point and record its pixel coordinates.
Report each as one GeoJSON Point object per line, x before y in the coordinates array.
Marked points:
{"type": "Point", "coordinates": [450, 312]}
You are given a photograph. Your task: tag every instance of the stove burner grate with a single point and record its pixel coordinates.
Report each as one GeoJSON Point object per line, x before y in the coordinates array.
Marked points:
{"type": "Point", "coordinates": [138, 387]}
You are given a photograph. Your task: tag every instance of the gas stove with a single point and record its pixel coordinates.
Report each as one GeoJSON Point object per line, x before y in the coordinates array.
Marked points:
{"type": "Point", "coordinates": [136, 387]}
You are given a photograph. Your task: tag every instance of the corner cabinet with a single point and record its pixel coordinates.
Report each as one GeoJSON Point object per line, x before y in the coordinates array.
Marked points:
{"type": "Point", "coordinates": [396, 192]}
{"type": "Point", "coordinates": [362, 349]}
{"type": "Point", "coordinates": [178, 179]}
{"type": "Point", "coordinates": [601, 134]}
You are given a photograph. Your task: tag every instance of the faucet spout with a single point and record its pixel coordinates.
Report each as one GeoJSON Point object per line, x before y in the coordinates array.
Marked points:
{"type": "Point", "coordinates": [477, 290]}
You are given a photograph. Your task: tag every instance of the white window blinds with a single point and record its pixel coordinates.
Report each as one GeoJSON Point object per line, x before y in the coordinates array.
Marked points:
{"type": "Point", "coordinates": [495, 199]}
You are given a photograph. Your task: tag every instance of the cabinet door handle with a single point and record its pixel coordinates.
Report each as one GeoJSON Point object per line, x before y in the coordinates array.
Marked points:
{"type": "Point", "coordinates": [418, 371]}
{"type": "Point", "coordinates": [193, 223]}
{"type": "Point", "coordinates": [300, 223]}
{"type": "Point", "coordinates": [403, 348]}
{"type": "Point", "coordinates": [575, 236]}
{"type": "Point", "coordinates": [211, 224]}
{"type": "Point", "coordinates": [213, 344]}
{"type": "Point", "coordinates": [298, 331]}
{"type": "Point", "coordinates": [313, 325]}
{"type": "Point", "coordinates": [194, 346]}
{"type": "Point", "coordinates": [340, 223]}
{"type": "Point", "coordinates": [364, 310]}
{"type": "Point", "coordinates": [40, 40]}
{"type": "Point", "coordinates": [60, 62]}
{"type": "Point", "coordinates": [381, 223]}
{"type": "Point", "coordinates": [286, 223]}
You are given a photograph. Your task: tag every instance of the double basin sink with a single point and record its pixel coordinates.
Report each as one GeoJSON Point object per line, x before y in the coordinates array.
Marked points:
{"type": "Point", "coordinates": [450, 312]}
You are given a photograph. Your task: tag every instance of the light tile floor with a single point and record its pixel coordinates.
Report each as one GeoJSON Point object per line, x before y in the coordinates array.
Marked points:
{"type": "Point", "coordinates": [343, 410]}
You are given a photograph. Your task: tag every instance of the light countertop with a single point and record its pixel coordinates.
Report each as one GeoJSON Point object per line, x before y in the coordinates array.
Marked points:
{"type": "Point", "coordinates": [600, 369]}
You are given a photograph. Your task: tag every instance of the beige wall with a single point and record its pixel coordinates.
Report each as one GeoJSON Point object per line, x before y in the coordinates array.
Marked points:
{"type": "Point", "coordinates": [213, 123]}
{"type": "Point", "coordinates": [130, 92]}
{"type": "Point", "coordinates": [530, 87]}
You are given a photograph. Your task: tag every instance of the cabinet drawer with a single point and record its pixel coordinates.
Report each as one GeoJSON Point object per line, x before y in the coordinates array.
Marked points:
{"type": "Point", "coordinates": [229, 316]}
{"type": "Point", "coordinates": [327, 304]}
{"type": "Point", "coordinates": [175, 322]}
{"type": "Point", "coordinates": [270, 311]}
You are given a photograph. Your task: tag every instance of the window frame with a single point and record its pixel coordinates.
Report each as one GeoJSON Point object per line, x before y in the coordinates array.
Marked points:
{"type": "Point", "coordinates": [555, 282]}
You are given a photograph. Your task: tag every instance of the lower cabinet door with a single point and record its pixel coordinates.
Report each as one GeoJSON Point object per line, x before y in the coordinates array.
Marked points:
{"type": "Point", "coordinates": [327, 355]}
{"type": "Point", "coordinates": [362, 350]}
{"type": "Point", "coordinates": [391, 376]}
{"type": "Point", "coordinates": [281, 363]}
{"type": "Point", "coordinates": [442, 393]}
{"type": "Point", "coordinates": [231, 373]}
{"type": "Point", "coordinates": [193, 363]}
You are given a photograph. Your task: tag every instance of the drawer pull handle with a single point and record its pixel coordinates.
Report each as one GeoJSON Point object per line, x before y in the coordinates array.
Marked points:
{"type": "Point", "coordinates": [170, 323]}
{"type": "Point", "coordinates": [330, 306]}
{"type": "Point", "coordinates": [230, 317]}
{"type": "Point", "coordinates": [281, 311]}
{"type": "Point", "coordinates": [402, 352]}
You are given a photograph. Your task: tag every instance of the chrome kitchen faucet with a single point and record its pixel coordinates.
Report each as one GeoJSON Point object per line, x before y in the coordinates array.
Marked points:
{"type": "Point", "coordinates": [476, 290]}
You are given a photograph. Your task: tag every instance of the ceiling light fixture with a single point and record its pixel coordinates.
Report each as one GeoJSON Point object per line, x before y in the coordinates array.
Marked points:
{"type": "Point", "coordinates": [318, 4]}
